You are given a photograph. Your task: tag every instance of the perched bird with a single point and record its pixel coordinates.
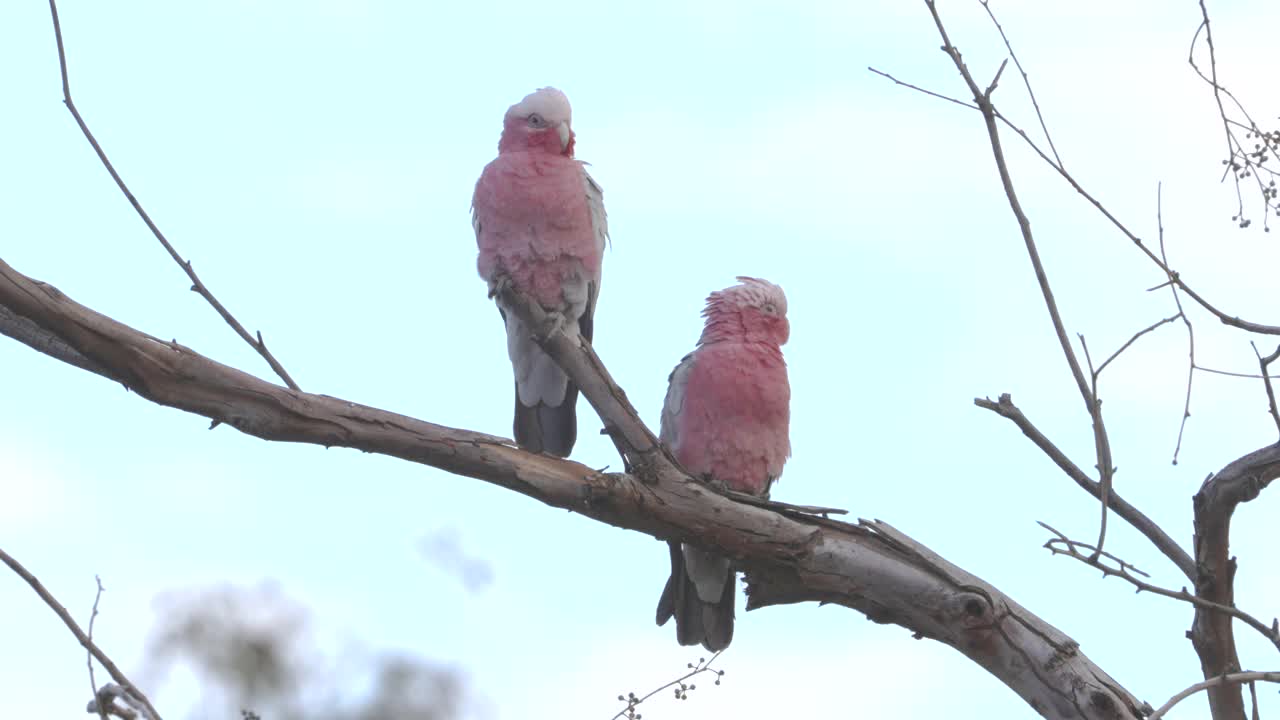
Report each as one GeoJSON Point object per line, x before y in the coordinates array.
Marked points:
{"type": "Point", "coordinates": [726, 420]}
{"type": "Point", "coordinates": [541, 228]}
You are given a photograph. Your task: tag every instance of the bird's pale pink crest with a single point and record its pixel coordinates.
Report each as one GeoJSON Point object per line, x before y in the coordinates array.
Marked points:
{"type": "Point", "coordinates": [543, 120]}
{"type": "Point", "coordinates": [755, 310]}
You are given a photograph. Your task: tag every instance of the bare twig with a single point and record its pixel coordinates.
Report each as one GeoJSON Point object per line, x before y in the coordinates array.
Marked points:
{"type": "Point", "coordinates": [197, 286]}
{"type": "Point", "coordinates": [1228, 373]}
{"type": "Point", "coordinates": [84, 640]}
{"type": "Point", "coordinates": [1131, 341]}
{"type": "Point", "coordinates": [93, 682]}
{"type": "Point", "coordinates": [1228, 679]}
{"type": "Point", "coordinates": [1102, 444]}
{"type": "Point", "coordinates": [1240, 163]}
{"type": "Point", "coordinates": [1025, 80]}
{"type": "Point", "coordinates": [1173, 276]}
{"type": "Point", "coordinates": [920, 89]}
{"type": "Point", "coordinates": [1165, 544]}
{"type": "Point", "coordinates": [1191, 333]}
{"type": "Point", "coordinates": [680, 684]}
{"type": "Point", "coordinates": [1063, 545]}
{"type": "Point", "coordinates": [1224, 317]}
{"type": "Point", "coordinates": [1263, 363]}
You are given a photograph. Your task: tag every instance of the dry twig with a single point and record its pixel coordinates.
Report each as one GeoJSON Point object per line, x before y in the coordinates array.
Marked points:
{"type": "Point", "coordinates": [1240, 163]}
{"type": "Point", "coordinates": [1102, 444]}
{"type": "Point", "coordinates": [1063, 545]}
{"type": "Point", "coordinates": [1228, 679]}
{"type": "Point", "coordinates": [197, 286]}
{"type": "Point", "coordinates": [681, 685]}
{"type": "Point", "coordinates": [84, 639]}
{"type": "Point", "coordinates": [93, 682]}
{"type": "Point", "coordinates": [1264, 363]}
{"type": "Point", "coordinates": [1191, 333]}
{"type": "Point", "coordinates": [1140, 522]}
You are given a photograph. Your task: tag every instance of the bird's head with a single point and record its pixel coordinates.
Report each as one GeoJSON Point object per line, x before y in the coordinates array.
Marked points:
{"type": "Point", "coordinates": [754, 310]}
{"type": "Point", "coordinates": [541, 121]}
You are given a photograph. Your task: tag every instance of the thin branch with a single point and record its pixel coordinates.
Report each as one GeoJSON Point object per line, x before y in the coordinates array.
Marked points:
{"type": "Point", "coordinates": [1005, 408]}
{"type": "Point", "coordinates": [1263, 363]}
{"type": "Point", "coordinates": [1222, 316]}
{"type": "Point", "coordinates": [1240, 162]}
{"type": "Point", "coordinates": [1102, 444]}
{"type": "Point", "coordinates": [681, 685]}
{"type": "Point", "coordinates": [1228, 373]}
{"type": "Point", "coordinates": [197, 286]}
{"type": "Point", "coordinates": [1140, 522]}
{"type": "Point", "coordinates": [1228, 679]}
{"type": "Point", "coordinates": [70, 622]}
{"type": "Point", "coordinates": [93, 682]}
{"type": "Point", "coordinates": [1025, 79]}
{"type": "Point", "coordinates": [1132, 340]}
{"type": "Point", "coordinates": [1063, 545]}
{"type": "Point", "coordinates": [1191, 333]}
{"type": "Point", "coordinates": [1217, 89]}
{"type": "Point", "coordinates": [1098, 439]}
{"type": "Point", "coordinates": [920, 89]}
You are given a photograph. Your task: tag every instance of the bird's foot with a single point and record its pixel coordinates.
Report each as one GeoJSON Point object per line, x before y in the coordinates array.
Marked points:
{"type": "Point", "coordinates": [718, 485]}
{"type": "Point", "coordinates": [499, 284]}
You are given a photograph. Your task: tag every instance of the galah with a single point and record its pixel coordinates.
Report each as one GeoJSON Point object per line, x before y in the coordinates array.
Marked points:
{"type": "Point", "coordinates": [726, 420]}
{"type": "Point", "coordinates": [541, 228]}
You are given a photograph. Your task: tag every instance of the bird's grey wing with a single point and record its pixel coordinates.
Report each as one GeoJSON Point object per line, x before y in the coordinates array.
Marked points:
{"type": "Point", "coordinates": [595, 206]}
{"type": "Point", "coordinates": [673, 405]}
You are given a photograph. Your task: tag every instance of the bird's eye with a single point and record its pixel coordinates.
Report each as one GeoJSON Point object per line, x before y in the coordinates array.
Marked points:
{"type": "Point", "coordinates": [770, 308]}
{"type": "Point", "coordinates": [536, 120]}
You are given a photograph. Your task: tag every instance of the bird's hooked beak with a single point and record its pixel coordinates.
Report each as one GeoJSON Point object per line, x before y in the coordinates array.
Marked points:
{"type": "Point", "coordinates": [566, 137]}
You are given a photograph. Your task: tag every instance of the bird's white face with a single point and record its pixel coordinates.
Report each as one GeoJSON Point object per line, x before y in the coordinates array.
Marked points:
{"type": "Point", "coordinates": [541, 113]}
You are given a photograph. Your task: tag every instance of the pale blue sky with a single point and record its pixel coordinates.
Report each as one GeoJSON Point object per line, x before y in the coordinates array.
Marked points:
{"type": "Point", "coordinates": [315, 161]}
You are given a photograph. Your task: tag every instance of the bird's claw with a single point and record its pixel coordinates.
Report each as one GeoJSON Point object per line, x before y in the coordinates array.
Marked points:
{"type": "Point", "coordinates": [499, 285]}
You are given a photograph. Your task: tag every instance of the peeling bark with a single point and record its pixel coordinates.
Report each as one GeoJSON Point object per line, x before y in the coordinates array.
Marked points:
{"type": "Point", "coordinates": [787, 556]}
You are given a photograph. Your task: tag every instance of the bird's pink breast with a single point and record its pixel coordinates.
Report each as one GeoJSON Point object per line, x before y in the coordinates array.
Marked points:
{"type": "Point", "coordinates": [534, 222]}
{"type": "Point", "coordinates": [734, 423]}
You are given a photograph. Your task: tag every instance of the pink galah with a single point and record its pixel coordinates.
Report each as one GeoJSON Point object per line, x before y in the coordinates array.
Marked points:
{"type": "Point", "coordinates": [725, 419]}
{"type": "Point", "coordinates": [541, 227]}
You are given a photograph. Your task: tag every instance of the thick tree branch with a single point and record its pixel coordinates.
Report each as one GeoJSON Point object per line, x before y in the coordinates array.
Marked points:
{"type": "Point", "coordinates": [869, 566]}
{"type": "Point", "coordinates": [1211, 632]}
{"type": "Point", "coordinates": [37, 338]}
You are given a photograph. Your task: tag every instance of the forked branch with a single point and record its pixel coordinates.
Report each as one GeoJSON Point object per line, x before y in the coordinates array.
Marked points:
{"type": "Point", "coordinates": [788, 557]}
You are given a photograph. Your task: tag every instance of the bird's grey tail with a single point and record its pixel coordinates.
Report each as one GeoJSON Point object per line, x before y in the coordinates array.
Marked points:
{"type": "Point", "coordinates": [699, 620]}
{"type": "Point", "coordinates": [547, 428]}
